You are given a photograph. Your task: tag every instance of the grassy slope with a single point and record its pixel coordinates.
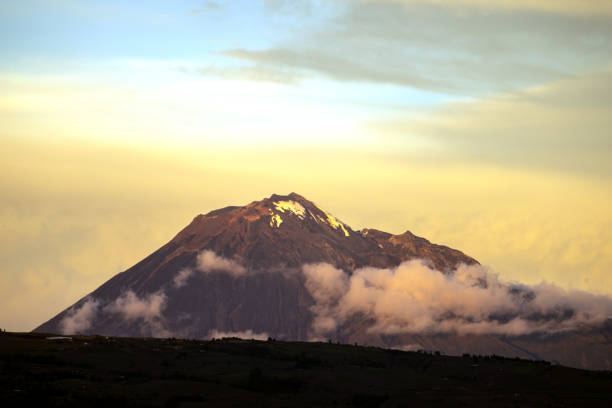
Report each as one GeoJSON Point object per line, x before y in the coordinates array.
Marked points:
{"type": "Point", "coordinates": [100, 371]}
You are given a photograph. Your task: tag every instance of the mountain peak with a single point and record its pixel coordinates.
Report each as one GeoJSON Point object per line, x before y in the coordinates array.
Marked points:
{"type": "Point", "coordinates": [289, 197]}
{"type": "Point", "coordinates": [290, 230]}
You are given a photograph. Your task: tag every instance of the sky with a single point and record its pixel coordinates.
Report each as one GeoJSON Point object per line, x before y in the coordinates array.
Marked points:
{"type": "Point", "coordinates": [485, 126]}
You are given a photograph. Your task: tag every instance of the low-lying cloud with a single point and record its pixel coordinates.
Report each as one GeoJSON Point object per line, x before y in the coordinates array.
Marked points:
{"type": "Point", "coordinates": [411, 298]}
{"type": "Point", "coordinates": [128, 306]}
{"type": "Point", "coordinates": [414, 298]}
{"type": "Point", "coordinates": [327, 285]}
{"type": "Point", "coordinates": [209, 261]}
{"type": "Point", "coordinates": [79, 319]}
{"type": "Point", "coordinates": [182, 277]}
{"type": "Point", "coordinates": [131, 307]}
{"type": "Point", "coordinates": [148, 310]}
{"type": "Point", "coordinates": [245, 334]}
{"type": "Point", "coordinates": [407, 347]}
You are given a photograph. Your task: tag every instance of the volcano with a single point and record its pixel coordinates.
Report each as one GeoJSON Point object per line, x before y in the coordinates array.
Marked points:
{"type": "Point", "coordinates": [248, 271]}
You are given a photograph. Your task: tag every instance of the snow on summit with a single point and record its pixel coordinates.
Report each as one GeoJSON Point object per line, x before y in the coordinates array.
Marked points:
{"type": "Point", "coordinates": [291, 206]}
{"type": "Point", "coordinates": [333, 221]}
{"type": "Point", "coordinates": [275, 220]}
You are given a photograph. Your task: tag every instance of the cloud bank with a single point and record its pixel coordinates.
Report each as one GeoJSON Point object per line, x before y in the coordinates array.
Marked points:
{"type": "Point", "coordinates": [411, 298]}
{"type": "Point", "coordinates": [414, 298]}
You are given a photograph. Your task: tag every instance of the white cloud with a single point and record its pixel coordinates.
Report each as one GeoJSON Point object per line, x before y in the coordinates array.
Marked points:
{"type": "Point", "coordinates": [78, 320]}
{"type": "Point", "coordinates": [327, 285]}
{"type": "Point", "coordinates": [245, 334]}
{"type": "Point", "coordinates": [414, 298]}
{"type": "Point", "coordinates": [208, 261]}
{"type": "Point", "coordinates": [182, 277]}
{"type": "Point", "coordinates": [131, 307]}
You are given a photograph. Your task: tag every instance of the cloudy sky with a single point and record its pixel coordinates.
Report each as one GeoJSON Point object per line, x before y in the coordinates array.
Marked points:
{"type": "Point", "coordinates": [482, 125]}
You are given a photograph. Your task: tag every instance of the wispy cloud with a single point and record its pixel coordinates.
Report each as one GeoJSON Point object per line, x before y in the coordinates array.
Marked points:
{"type": "Point", "coordinates": [79, 319]}
{"type": "Point", "coordinates": [571, 7]}
{"type": "Point", "coordinates": [146, 311]}
{"type": "Point", "coordinates": [182, 276]}
{"type": "Point", "coordinates": [244, 334]}
{"type": "Point", "coordinates": [149, 309]}
{"type": "Point", "coordinates": [434, 46]}
{"type": "Point", "coordinates": [209, 261]}
{"type": "Point", "coordinates": [561, 125]}
{"type": "Point", "coordinates": [208, 6]}
{"type": "Point", "coordinates": [256, 73]}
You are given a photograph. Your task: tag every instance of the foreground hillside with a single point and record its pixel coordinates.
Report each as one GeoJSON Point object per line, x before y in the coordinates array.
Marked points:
{"type": "Point", "coordinates": [109, 371]}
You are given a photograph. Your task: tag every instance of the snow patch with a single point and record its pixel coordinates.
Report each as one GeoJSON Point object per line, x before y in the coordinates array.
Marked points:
{"type": "Point", "coordinates": [333, 221]}
{"type": "Point", "coordinates": [290, 206]}
{"type": "Point", "coordinates": [313, 216]}
{"type": "Point", "coordinates": [275, 220]}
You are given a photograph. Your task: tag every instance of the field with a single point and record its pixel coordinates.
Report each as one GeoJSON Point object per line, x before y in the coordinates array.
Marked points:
{"type": "Point", "coordinates": [90, 371]}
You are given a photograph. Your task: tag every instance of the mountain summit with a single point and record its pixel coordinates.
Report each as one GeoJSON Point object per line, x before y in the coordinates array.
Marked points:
{"type": "Point", "coordinates": [284, 267]}
{"type": "Point", "coordinates": [290, 231]}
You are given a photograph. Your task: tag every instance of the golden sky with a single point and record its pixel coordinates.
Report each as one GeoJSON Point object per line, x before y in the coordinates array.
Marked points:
{"type": "Point", "coordinates": [484, 126]}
